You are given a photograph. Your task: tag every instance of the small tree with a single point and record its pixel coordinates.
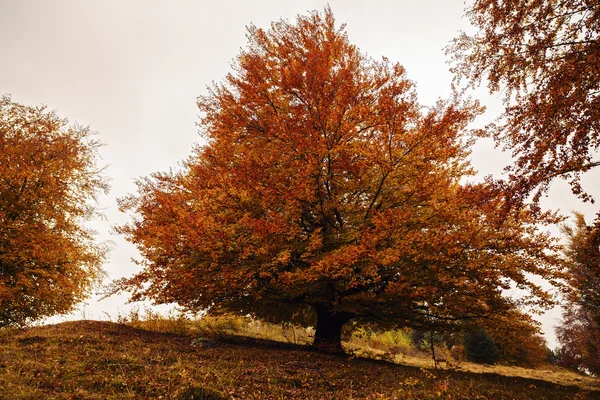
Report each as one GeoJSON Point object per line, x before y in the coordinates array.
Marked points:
{"type": "Point", "coordinates": [579, 341]}
{"type": "Point", "coordinates": [579, 332]}
{"type": "Point", "coordinates": [48, 182]}
{"type": "Point", "coordinates": [326, 188]}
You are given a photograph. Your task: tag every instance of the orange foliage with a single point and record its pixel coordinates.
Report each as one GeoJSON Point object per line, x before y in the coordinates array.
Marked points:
{"type": "Point", "coordinates": [48, 180]}
{"type": "Point", "coordinates": [518, 338]}
{"type": "Point", "coordinates": [544, 57]}
{"type": "Point", "coordinates": [325, 185]}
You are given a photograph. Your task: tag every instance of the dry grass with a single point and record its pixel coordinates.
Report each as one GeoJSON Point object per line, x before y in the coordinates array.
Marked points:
{"type": "Point", "coordinates": [549, 373]}
{"type": "Point", "coordinates": [391, 346]}
{"type": "Point", "coordinates": [104, 360]}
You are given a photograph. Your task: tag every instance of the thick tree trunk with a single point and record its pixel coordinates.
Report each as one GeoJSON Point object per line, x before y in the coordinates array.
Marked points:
{"type": "Point", "coordinates": [328, 332]}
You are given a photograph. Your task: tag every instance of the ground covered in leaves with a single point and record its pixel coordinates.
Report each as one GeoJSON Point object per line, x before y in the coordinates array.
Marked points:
{"type": "Point", "coordinates": [105, 360]}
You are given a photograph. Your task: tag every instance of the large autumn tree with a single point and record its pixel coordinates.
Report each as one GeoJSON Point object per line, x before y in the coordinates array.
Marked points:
{"type": "Point", "coordinates": [543, 57]}
{"type": "Point", "coordinates": [48, 184]}
{"type": "Point", "coordinates": [325, 187]}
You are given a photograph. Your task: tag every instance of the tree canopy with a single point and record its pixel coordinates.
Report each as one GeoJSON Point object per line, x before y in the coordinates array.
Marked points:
{"type": "Point", "coordinates": [324, 186]}
{"type": "Point", "coordinates": [543, 56]}
{"type": "Point", "coordinates": [48, 184]}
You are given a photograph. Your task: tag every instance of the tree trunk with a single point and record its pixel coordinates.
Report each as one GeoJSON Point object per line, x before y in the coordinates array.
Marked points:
{"type": "Point", "coordinates": [328, 332]}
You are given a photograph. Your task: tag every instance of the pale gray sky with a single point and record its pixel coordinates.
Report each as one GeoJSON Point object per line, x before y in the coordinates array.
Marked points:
{"type": "Point", "coordinates": [132, 71]}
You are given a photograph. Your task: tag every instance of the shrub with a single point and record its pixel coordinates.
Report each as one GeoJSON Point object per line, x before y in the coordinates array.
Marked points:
{"type": "Point", "coordinates": [480, 347]}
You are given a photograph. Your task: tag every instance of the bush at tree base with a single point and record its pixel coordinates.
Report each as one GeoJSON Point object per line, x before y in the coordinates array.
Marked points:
{"type": "Point", "coordinates": [481, 348]}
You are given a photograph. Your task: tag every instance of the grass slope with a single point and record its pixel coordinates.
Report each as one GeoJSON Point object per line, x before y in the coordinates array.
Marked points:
{"type": "Point", "coordinates": [105, 360]}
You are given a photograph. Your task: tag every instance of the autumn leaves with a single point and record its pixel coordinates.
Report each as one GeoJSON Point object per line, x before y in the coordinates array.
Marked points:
{"type": "Point", "coordinates": [325, 186]}
{"type": "Point", "coordinates": [325, 191]}
{"type": "Point", "coordinates": [48, 183]}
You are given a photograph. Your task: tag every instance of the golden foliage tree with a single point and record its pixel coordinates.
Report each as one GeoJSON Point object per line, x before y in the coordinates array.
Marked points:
{"type": "Point", "coordinates": [48, 184]}
{"type": "Point", "coordinates": [324, 186]}
{"type": "Point", "coordinates": [543, 56]}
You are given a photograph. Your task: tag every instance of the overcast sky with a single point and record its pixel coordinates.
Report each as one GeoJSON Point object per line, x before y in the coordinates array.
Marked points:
{"type": "Point", "coordinates": [132, 70]}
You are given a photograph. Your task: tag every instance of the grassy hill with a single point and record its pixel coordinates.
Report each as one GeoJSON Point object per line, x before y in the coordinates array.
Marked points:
{"type": "Point", "coordinates": [106, 360]}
